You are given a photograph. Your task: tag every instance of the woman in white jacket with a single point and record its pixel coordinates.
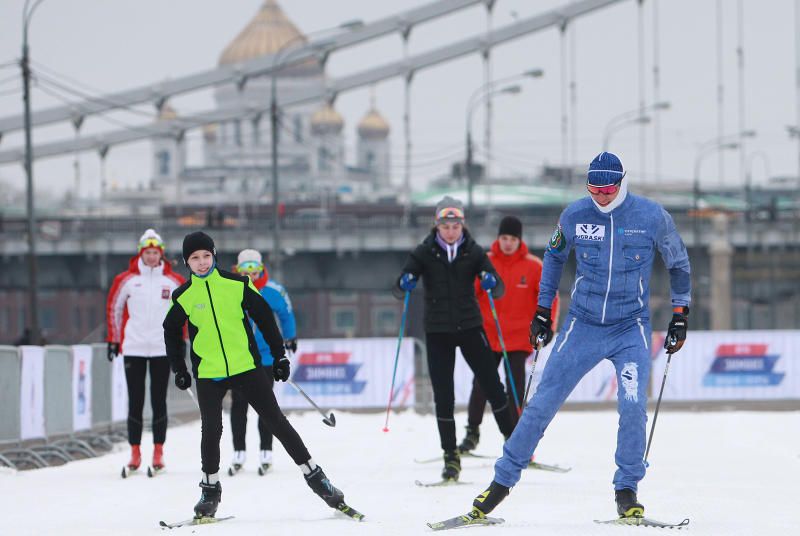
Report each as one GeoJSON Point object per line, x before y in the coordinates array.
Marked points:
{"type": "Point", "coordinates": [137, 304]}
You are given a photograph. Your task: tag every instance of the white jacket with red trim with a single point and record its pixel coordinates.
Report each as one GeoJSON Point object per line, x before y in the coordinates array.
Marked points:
{"type": "Point", "coordinates": [137, 304]}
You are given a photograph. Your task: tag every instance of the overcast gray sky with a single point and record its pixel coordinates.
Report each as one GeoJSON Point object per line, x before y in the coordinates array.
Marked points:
{"type": "Point", "coordinates": [110, 45]}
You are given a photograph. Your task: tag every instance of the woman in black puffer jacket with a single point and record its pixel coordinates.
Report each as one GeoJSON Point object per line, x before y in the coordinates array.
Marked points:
{"type": "Point", "coordinates": [449, 260]}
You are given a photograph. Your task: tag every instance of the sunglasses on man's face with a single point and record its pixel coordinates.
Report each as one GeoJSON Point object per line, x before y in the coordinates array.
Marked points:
{"type": "Point", "coordinates": [604, 190]}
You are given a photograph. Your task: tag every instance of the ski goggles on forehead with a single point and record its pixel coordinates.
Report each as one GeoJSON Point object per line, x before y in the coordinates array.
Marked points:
{"type": "Point", "coordinates": [250, 267]}
{"type": "Point", "coordinates": [151, 243]}
{"type": "Point", "coordinates": [450, 213]}
{"type": "Point", "coordinates": [605, 190]}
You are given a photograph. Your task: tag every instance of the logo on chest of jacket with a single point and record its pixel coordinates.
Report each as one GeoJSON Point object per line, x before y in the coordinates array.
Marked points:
{"type": "Point", "coordinates": [590, 231]}
{"type": "Point", "coordinates": [199, 305]}
{"type": "Point", "coordinates": [165, 293]}
{"type": "Point", "coordinates": [523, 281]}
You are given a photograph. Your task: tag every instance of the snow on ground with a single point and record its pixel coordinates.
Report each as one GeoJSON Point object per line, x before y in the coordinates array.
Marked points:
{"type": "Point", "coordinates": [732, 473]}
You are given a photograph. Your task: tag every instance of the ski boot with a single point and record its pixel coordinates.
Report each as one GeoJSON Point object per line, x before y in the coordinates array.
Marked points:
{"type": "Point", "coordinates": [489, 499]}
{"type": "Point", "coordinates": [210, 497]}
{"type": "Point", "coordinates": [136, 458]}
{"type": "Point", "coordinates": [452, 465]}
{"type": "Point", "coordinates": [265, 461]}
{"type": "Point", "coordinates": [320, 485]}
{"type": "Point", "coordinates": [158, 456]}
{"type": "Point", "coordinates": [627, 505]}
{"type": "Point", "coordinates": [239, 457]}
{"type": "Point", "coordinates": [470, 440]}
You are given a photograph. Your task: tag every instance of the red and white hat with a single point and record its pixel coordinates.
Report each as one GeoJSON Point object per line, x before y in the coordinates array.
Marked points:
{"type": "Point", "coordinates": [151, 239]}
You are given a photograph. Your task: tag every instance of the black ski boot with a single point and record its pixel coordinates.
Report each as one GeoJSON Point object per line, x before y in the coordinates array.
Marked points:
{"type": "Point", "coordinates": [627, 505]}
{"type": "Point", "coordinates": [470, 440]}
{"type": "Point", "coordinates": [320, 485]}
{"type": "Point", "coordinates": [452, 465]}
{"type": "Point", "coordinates": [210, 497]}
{"type": "Point", "coordinates": [489, 499]}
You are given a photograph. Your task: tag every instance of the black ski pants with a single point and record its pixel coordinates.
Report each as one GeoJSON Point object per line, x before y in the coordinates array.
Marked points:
{"type": "Point", "coordinates": [257, 390]}
{"type": "Point", "coordinates": [477, 400]}
{"type": "Point", "coordinates": [441, 349]}
{"type": "Point", "coordinates": [239, 407]}
{"type": "Point", "coordinates": [135, 375]}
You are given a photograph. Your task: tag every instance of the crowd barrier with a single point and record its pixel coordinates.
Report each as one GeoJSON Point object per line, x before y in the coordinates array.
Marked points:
{"type": "Point", "coordinates": [58, 403]}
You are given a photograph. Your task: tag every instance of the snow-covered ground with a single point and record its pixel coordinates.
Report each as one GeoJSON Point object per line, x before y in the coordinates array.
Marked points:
{"type": "Point", "coordinates": [732, 473]}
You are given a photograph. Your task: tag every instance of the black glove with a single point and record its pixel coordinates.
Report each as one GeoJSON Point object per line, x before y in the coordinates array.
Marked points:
{"type": "Point", "coordinates": [291, 345]}
{"type": "Point", "coordinates": [676, 332]}
{"type": "Point", "coordinates": [280, 369]}
{"type": "Point", "coordinates": [183, 380]}
{"type": "Point", "coordinates": [541, 327]}
{"type": "Point", "coordinates": [113, 350]}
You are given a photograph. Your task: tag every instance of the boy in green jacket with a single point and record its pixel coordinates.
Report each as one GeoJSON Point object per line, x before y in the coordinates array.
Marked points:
{"type": "Point", "coordinates": [224, 355]}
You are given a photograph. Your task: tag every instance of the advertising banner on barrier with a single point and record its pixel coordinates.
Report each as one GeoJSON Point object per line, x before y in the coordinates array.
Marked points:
{"type": "Point", "coordinates": [81, 387]}
{"type": "Point", "coordinates": [599, 385]}
{"type": "Point", "coordinates": [350, 373]}
{"type": "Point", "coordinates": [733, 365]}
{"type": "Point", "coordinates": [119, 390]}
{"type": "Point", "coordinates": [31, 402]}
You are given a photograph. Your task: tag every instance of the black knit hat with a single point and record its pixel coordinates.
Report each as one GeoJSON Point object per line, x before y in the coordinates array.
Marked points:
{"type": "Point", "coordinates": [510, 226]}
{"type": "Point", "coordinates": [197, 241]}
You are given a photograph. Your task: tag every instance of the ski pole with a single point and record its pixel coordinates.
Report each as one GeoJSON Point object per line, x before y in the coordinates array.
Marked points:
{"type": "Point", "coordinates": [396, 358]}
{"type": "Point", "coordinates": [330, 420]}
{"type": "Point", "coordinates": [539, 341]}
{"type": "Point", "coordinates": [505, 354]}
{"type": "Point", "coordinates": [658, 404]}
{"type": "Point", "coordinates": [194, 399]}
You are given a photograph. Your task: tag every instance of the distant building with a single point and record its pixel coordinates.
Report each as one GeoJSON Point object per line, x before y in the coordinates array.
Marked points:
{"type": "Point", "coordinates": [238, 153]}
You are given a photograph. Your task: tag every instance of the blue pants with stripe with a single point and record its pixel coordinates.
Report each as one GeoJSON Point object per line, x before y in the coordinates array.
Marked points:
{"type": "Point", "coordinates": [576, 350]}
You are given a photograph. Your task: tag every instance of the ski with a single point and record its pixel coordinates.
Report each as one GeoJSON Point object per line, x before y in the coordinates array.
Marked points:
{"type": "Point", "coordinates": [155, 471]}
{"type": "Point", "coordinates": [644, 522]}
{"type": "Point", "coordinates": [193, 521]}
{"type": "Point", "coordinates": [441, 483]}
{"type": "Point", "coordinates": [466, 520]}
{"type": "Point", "coordinates": [546, 467]}
{"type": "Point", "coordinates": [128, 471]}
{"type": "Point", "coordinates": [463, 455]}
{"type": "Point", "coordinates": [350, 512]}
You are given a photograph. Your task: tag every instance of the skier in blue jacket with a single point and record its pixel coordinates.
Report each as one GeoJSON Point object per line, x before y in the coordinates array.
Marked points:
{"type": "Point", "coordinates": [249, 262]}
{"type": "Point", "coordinates": [615, 235]}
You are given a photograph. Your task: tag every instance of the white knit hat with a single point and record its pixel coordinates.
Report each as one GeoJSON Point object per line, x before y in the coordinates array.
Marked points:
{"type": "Point", "coordinates": [249, 255]}
{"type": "Point", "coordinates": [151, 239]}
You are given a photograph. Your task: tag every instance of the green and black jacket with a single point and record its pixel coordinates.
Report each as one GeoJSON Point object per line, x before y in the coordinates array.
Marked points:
{"type": "Point", "coordinates": [217, 308]}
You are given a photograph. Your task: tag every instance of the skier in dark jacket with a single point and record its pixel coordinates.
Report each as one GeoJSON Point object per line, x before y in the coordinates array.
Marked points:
{"type": "Point", "coordinates": [449, 260]}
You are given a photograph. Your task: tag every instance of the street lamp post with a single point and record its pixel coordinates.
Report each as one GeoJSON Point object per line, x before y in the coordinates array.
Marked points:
{"type": "Point", "coordinates": [282, 60]}
{"type": "Point", "coordinates": [632, 117]}
{"type": "Point", "coordinates": [509, 90]}
{"type": "Point", "coordinates": [33, 317]}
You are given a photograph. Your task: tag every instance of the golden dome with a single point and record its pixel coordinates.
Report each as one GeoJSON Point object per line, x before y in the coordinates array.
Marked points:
{"type": "Point", "coordinates": [167, 113]}
{"type": "Point", "coordinates": [373, 125]}
{"type": "Point", "coordinates": [326, 120]}
{"type": "Point", "coordinates": [265, 34]}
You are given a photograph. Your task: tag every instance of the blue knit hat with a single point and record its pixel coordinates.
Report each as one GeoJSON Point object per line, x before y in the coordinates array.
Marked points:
{"type": "Point", "coordinates": [605, 170]}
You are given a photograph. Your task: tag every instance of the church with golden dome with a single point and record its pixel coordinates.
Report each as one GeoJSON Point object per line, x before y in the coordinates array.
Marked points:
{"type": "Point", "coordinates": [312, 160]}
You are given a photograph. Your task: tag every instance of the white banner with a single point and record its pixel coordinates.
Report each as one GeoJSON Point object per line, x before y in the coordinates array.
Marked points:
{"type": "Point", "coordinates": [733, 365]}
{"type": "Point", "coordinates": [350, 373]}
{"type": "Point", "coordinates": [599, 385]}
{"type": "Point", "coordinates": [119, 390]}
{"type": "Point", "coordinates": [31, 403]}
{"type": "Point", "coordinates": [81, 387]}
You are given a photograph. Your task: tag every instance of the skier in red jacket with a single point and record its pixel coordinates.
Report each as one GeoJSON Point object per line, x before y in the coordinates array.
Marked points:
{"type": "Point", "coordinates": [521, 271]}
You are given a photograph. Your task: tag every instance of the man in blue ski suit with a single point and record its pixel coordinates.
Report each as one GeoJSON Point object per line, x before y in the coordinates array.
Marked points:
{"type": "Point", "coordinates": [615, 236]}
{"type": "Point", "coordinates": [249, 262]}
